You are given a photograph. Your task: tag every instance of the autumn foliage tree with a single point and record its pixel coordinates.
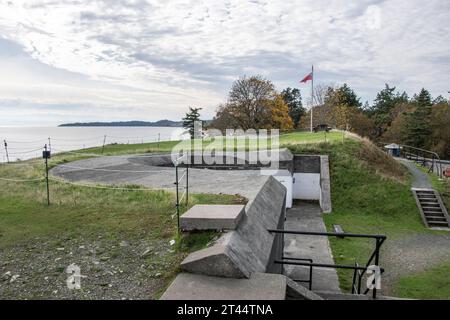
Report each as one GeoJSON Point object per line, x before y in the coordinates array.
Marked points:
{"type": "Point", "coordinates": [253, 103]}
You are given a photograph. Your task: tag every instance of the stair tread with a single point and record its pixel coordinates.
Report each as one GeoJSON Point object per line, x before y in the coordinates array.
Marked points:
{"type": "Point", "coordinates": [434, 216]}
{"type": "Point", "coordinates": [438, 222]}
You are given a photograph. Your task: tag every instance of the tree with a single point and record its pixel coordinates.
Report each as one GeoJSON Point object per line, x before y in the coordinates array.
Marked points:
{"type": "Point", "coordinates": [280, 114]}
{"type": "Point", "coordinates": [252, 103]}
{"type": "Point", "coordinates": [440, 137]}
{"type": "Point", "coordinates": [342, 95]}
{"type": "Point", "coordinates": [189, 121]}
{"type": "Point", "coordinates": [293, 99]}
{"type": "Point", "coordinates": [384, 103]}
{"type": "Point", "coordinates": [418, 129]}
{"type": "Point", "coordinates": [396, 132]}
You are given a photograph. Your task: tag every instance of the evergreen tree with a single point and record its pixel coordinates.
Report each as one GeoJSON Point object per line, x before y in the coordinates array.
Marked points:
{"type": "Point", "coordinates": [189, 122]}
{"type": "Point", "coordinates": [293, 99]}
{"type": "Point", "coordinates": [384, 104]}
{"type": "Point", "coordinates": [418, 128]}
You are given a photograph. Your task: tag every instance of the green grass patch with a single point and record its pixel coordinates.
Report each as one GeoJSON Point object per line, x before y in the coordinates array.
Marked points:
{"type": "Point", "coordinates": [430, 284]}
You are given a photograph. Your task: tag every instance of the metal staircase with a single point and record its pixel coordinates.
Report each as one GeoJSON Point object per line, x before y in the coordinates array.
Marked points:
{"type": "Point", "coordinates": [432, 209]}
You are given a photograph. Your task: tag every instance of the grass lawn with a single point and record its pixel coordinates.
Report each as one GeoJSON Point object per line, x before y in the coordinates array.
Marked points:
{"type": "Point", "coordinates": [96, 220]}
{"type": "Point", "coordinates": [285, 140]}
{"type": "Point", "coordinates": [431, 284]}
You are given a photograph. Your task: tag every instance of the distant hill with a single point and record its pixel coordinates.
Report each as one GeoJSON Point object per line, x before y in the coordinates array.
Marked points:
{"type": "Point", "coordinates": [160, 123]}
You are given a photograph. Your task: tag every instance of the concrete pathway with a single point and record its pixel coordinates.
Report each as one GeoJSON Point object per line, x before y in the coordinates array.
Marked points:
{"type": "Point", "coordinates": [421, 179]}
{"type": "Point", "coordinates": [308, 217]}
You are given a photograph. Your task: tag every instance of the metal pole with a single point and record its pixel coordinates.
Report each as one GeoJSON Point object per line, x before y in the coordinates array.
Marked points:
{"type": "Point", "coordinates": [187, 184]}
{"type": "Point", "coordinates": [159, 137]}
{"type": "Point", "coordinates": [6, 150]}
{"type": "Point", "coordinates": [178, 198]}
{"type": "Point", "coordinates": [49, 144]}
{"type": "Point", "coordinates": [312, 96]}
{"type": "Point", "coordinates": [377, 259]}
{"type": "Point", "coordinates": [46, 174]}
{"type": "Point", "coordinates": [104, 141]}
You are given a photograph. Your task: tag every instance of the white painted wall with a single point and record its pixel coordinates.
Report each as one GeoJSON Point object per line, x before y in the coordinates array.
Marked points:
{"type": "Point", "coordinates": [285, 178]}
{"type": "Point", "coordinates": [306, 186]}
{"type": "Point", "coordinates": [287, 182]}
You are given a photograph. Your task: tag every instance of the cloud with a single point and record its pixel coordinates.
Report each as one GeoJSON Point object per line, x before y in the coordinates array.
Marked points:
{"type": "Point", "coordinates": [155, 58]}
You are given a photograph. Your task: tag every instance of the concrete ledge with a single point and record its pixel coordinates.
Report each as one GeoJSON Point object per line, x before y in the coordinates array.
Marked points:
{"type": "Point", "coordinates": [212, 217]}
{"type": "Point", "coordinates": [247, 249]}
{"type": "Point", "coordinates": [218, 260]}
{"type": "Point", "coordinates": [325, 184]}
{"type": "Point", "coordinates": [261, 286]}
{"type": "Point", "coordinates": [295, 291]}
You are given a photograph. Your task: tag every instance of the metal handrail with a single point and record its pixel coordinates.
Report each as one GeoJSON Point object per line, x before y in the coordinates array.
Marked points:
{"type": "Point", "coordinates": [359, 271]}
{"type": "Point", "coordinates": [434, 156]}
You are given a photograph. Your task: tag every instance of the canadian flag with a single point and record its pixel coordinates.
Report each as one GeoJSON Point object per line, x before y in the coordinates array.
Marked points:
{"type": "Point", "coordinates": [307, 78]}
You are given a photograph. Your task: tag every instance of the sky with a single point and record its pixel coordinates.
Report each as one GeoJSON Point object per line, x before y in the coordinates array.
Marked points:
{"type": "Point", "coordinates": [110, 60]}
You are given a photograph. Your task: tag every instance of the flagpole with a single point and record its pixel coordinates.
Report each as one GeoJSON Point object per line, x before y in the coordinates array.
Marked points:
{"type": "Point", "coordinates": [312, 96]}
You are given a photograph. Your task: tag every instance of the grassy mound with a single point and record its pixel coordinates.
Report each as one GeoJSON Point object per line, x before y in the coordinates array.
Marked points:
{"type": "Point", "coordinates": [370, 194]}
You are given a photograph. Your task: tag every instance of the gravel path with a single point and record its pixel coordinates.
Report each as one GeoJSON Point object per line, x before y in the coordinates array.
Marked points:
{"type": "Point", "coordinates": [111, 269]}
{"type": "Point", "coordinates": [421, 179]}
{"type": "Point", "coordinates": [412, 254]}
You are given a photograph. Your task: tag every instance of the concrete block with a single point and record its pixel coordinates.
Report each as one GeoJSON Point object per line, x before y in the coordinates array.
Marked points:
{"type": "Point", "coordinates": [261, 286]}
{"type": "Point", "coordinates": [218, 260]}
{"type": "Point", "coordinates": [296, 291]}
{"type": "Point", "coordinates": [212, 217]}
{"type": "Point", "coordinates": [325, 185]}
{"type": "Point", "coordinates": [247, 249]}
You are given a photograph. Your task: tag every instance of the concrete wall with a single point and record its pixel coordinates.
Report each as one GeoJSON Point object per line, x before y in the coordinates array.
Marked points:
{"type": "Point", "coordinates": [249, 248]}
{"type": "Point", "coordinates": [306, 177]}
{"type": "Point", "coordinates": [325, 185]}
{"type": "Point", "coordinates": [306, 186]}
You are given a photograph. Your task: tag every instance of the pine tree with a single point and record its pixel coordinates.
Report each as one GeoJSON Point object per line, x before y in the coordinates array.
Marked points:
{"type": "Point", "coordinates": [418, 129]}
{"type": "Point", "coordinates": [293, 99]}
{"type": "Point", "coordinates": [189, 121]}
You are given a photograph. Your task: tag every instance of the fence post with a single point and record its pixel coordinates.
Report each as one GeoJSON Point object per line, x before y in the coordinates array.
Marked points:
{"type": "Point", "coordinates": [377, 260]}
{"type": "Point", "coordinates": [177, 205]}
{"type": "Point", "coordinates": [6, 150]}
{"type": "Point", "coordinates": [187, 184]}
{"type": "Point", "coordinates": [104, 141]}
{"type": "Point", "coordinates": [46, 155]}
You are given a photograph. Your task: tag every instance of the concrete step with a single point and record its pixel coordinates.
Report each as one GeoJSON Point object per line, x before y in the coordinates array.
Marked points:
{"type": "Point", "coordinates": [432, 209]}
{"type": "Point", "coordinates": [326, 295]}
{"type": "Point", "coordinates": [260, 286]}
{"type": "Point", "coordinates": [436, 218]}
{"type": "Point", "coordinates": [422, 197]}
{"type": "Point", "coordinates": [439, 222]}
{"type": "Point", "coordinates": [431, 204]}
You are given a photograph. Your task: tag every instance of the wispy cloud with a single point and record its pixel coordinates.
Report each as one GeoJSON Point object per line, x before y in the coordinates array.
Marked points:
{"type": "Point", "coordinates": [152, 59]}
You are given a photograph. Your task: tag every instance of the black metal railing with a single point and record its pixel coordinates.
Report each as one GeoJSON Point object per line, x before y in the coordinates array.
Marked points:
{"type": "Point", "coordinates": [359, 271]}
{"type": "Point", "coordinates": [425, 158]}
{"type": "Point", "coordinates": [181, 173]}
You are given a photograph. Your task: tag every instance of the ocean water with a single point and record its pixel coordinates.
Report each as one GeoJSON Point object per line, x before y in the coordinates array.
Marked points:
{"type": "Point", "coordinates": [28, 142]}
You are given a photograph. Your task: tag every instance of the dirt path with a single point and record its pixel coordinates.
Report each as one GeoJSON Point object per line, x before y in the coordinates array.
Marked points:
{"type": "Point", "coordinates": [413, 254]}
{"type": "Point", "coordinates": [421, 179]}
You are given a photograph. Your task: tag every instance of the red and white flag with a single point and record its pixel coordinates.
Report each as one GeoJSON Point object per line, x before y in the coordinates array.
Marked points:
{"type": "Point", "coordinates": [307, 78]}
